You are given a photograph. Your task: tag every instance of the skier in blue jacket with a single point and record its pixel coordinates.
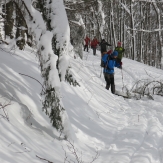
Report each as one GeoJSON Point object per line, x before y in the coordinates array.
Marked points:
{"type": "Point", "coordinates": [109, 64]}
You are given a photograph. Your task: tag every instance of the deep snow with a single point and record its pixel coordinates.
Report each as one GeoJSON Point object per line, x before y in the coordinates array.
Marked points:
{"type": "Point", "coordinates": [118, 130]}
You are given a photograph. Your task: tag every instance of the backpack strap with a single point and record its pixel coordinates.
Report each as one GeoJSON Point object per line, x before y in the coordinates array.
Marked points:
{"type": "Point", "coordinates": [107, 63]}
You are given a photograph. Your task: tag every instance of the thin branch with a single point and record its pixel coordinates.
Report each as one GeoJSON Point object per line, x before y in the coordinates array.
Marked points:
{"type": "Point", "coordinates": [74, 152]}
{"type": "Point", "coordinates": [3, 42]}
{"type": "Point", "coordinates": [44, 159]}
{"type": "Point", "coordinates": [3, 108]}
{"type": "Point", "coordinates": [143, 30]}
{"type": "Point", "coordinates": [34, 79]}
{"type": "Point", "coordinates": [22, 152]}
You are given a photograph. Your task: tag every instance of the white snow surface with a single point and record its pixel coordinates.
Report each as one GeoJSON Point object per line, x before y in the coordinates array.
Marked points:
{"type": "Point", "coordinates": [119, 130]}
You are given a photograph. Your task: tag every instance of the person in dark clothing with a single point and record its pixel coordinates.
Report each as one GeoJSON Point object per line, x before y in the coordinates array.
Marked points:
{"type": "Point", "coordinates": [103, 45]}
{"type": "Point", "coordinates": [109, 64]}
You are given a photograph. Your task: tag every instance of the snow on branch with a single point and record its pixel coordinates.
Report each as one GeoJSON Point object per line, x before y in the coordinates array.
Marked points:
{"type": "Point", "coordinates": [143, 30]}
{"type": "Point", "coordinates": [76, 23]}
{"type": "Point", "coordinates": [125, 7]}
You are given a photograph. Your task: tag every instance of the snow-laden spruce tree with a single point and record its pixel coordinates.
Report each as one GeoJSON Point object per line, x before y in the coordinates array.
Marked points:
{"type": "Point", "coordinates": [46, 21]}
{"type": "Point", "coordinates": [53, 49]}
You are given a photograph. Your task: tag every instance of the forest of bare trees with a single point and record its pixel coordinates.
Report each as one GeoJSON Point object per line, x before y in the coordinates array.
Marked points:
{"type": "Point", "coordinates": [138, 24]}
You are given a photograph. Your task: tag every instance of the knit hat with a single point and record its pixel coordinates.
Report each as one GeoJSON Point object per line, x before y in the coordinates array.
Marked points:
{"type": "Point", "coordinates": [115, 53]}
{"type": "Point", "coordinates": [119, 43]}
{"type": "Point", "coordinates": [109, 52]}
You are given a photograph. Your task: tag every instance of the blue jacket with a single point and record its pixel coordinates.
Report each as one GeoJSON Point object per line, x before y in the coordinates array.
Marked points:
{"type": "Point", "coordinates": [111, 63]}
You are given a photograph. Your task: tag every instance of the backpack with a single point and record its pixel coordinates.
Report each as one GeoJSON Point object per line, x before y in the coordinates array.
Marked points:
{"type": "Point", "coordinates": [103, 63]}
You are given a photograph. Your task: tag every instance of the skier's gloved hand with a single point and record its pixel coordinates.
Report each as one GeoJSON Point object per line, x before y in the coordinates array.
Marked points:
{"type": "Point", "coordinates": [121, 63]}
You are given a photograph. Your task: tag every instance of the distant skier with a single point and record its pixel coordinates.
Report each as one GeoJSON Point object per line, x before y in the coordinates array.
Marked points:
{"type": "Point", "coordinates": [120, 51]}
{"type": "Point", "coordinates": [94, 44]}
{"type": "Point", "coordinates": [87, 42]}
{"type": "Point", "coordinates": [103, 44]}
{"type": "Point", "coordinates": [109, 62]}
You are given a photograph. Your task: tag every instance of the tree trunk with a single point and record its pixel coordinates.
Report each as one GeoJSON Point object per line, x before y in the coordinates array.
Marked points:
{"type": "Point", "coordinates": [9, 20]}
{"type": "Point", "coordinates": [160, 33]}
{"type": "Point", "coordinates": [112, 23]}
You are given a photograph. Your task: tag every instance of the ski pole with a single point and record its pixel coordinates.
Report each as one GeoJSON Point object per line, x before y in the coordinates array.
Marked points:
{"type": "Point", "coordinates": [101, 72]}
{"type": "Point", "coordinates": [87, 56]}
{"type": "Point", "coordinates": [122, 79]}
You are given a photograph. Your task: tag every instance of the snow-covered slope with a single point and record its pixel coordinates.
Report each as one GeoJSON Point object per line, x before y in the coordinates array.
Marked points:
{"type": "Point", "coordinates": [118, 130]}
